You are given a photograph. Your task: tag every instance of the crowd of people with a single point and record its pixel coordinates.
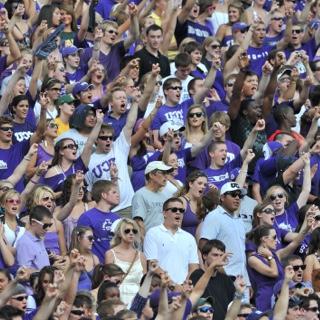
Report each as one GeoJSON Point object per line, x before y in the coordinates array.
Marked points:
{"type": "Point", "coordinates": [159, 159]}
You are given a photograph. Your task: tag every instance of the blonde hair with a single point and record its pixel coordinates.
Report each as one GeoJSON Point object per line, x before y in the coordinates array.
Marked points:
{"type": "Point", "coordinates": [204, 125]}
{"type": "Point", "coordinates": [271, 190]}
{"type": "Point", "coordinates": [119, 232]}
{"type": "Point", "coordinates": [37, 195]}
{"type": "Point", "coordinates": [8, 194]}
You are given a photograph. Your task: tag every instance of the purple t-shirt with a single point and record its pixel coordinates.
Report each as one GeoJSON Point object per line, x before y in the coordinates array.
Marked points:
{"type": "Point", "coordinates": [203, 161]}
{"type": "Point", "coordinates": [273, 41]}
{"type": "Point", "coordinates": [264, 180]}
{"type": "Point", "coordinates": [218, 177]}
{"type": "Point", "coordinates": [117, 124]}
{"type": "Point", "coordinates": [111, 61]}
{"type": "Point", "coordinates": [100, 222]}
{"type": "Point", "coordinates": [76, 76]}
{"type": "Point", "coordinates": [288, 220]}
{"type": "Point", "coordinates": [176, 114]}
{"type": "Point", "coordinates": [184, 156]}
{"type": "Point", "coordinates": [258, 57]}
{"type": "Point", "coordinates": [22, 131]}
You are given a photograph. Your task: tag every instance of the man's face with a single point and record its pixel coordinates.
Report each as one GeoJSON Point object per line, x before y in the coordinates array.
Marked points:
{"type": "Point", "coordinates": [158, 177]}
{"type": "Point", "coordinates": [219, 155]}
{"type": "Point", "coordinates": [250, 86]}
{"type": "Point", "coordinates": [86, 96]}
{"type": "Point", "coordinates": [295, 313]}
{"type": "Point", "coordinates": [119, 102]}
{"type": "Point", "coordinates": [183, 72]}
{"type": "Point", "coordinates": [298, 268]}
{"type": "Point", "coordinates": [231, 201]}
{"type": "Point", "coordinates": [19, 301]}
{"type": "Point", "coordinates": [173, 215]}
{"type": "Point", "coordinates": [90, 120]}
{"type": "Point", "coordinates": [73, 60]}
{"type": "Point", "coordinates": [214, 255]}
{"type": "Point", "coordinates": [154, 39]}
{"type": "Point", "coordinates": [253, 112]}
{"type": "Point", "coordinates": [276, 22]}
{"type": "Point", "coordinates": [296, 35]}
{"type": "Point", "coordinates": [40, 227]}
{"type": "Point", "coordinates": [312, 312]}
{"type": "Point", "coordinates": [259, 34]}
{"type": "Point", "coordinates": [110, 35]}
{"type": "Point", "coordinates": [173, 93]}
{"type": "Point", "coordinates": [104, 141]}
{"type": "Point", "coordinates": [198, 85]}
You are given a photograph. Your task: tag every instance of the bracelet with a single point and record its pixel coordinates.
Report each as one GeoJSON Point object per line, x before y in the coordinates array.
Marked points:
{"type": "Point", "coordinates": [27, 159]}
{"type": "Point", "coordinates": [244, 171]}
{"type": "Point", "coordinates": [238, 296]}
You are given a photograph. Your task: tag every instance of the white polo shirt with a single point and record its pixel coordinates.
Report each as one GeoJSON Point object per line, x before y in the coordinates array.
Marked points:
{"type": "Point", "coordinates": [174, 252]}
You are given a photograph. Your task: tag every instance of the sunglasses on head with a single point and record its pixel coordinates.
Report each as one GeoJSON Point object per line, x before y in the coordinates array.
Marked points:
{"type": "Point", "coordinates": [6, 129]}
{"type": "Point", "coordinates": [175, 210]}
{"type": "Point", "coordinates": [197, 114]}
{"type": "Point", "coordinates": [269, 211]}
{"type": "Point", "coordinates": [127, 231]}
{"type": "Point", "coordinates": [205, 309]}
{"type": "Point", "coordinates": [275, 196]}
{"type": "Point", "coordinates": [44, 225]}
{"type": "Point", "coordinates": [296, 268]}
{"type": "Point", "coordinates": [13, 201]}
{"type": "Point", "coordinates": [176, 88]}
{"type": "Point", "coordinates": [106, 138]}
{"type": "Point", "coordinates": [71, 146]}
{"type": "Point", "coordinates": [20, 298]}
{"type": "Point", "coordinates": [77, 312]}
{"type": "Point", "coordinates": [235, 194]}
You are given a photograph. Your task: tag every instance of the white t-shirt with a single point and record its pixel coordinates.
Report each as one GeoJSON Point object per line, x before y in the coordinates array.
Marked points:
{"type": "Point", "coordinates": [13, 236]}
{"type": "Point", "coordinates": [174, 252]}
{"type": "Point", "coordinates": [99, 169]}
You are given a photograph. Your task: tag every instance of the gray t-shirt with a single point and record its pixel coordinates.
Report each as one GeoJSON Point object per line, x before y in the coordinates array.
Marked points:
{"type": "Point", "coordinates": [246, 211]}
{"type": "Point", "coordinates": [147, 205]}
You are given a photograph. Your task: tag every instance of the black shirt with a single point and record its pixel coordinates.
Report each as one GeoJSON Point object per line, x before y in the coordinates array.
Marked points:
{"type": "Point", "coordinates": [147, 59]}
{"type": "Point", "coordinates": [220, 288]}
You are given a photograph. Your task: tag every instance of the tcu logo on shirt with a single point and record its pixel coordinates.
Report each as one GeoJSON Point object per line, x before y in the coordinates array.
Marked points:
{"type": "Point", "coordinates": [20, 136]}
{"type": "Point", "coordinates": [175, 116]}
{"type": "Point", "coordinates": [102, 167]}
{"type": "Point", "coordinates": [3, 165]}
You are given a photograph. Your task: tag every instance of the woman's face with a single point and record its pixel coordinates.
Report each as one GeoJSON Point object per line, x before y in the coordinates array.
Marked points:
{"type": "Point", "coordinates": [86, 241]}
{"type": "Point", "coordinates": [21, 109]}
{"type": "Point", "coordinates": [98, 75]}
{"type": "Point", "coordinates": [267, 215]}
{"type": "Point", "coordinates": [195, 117]}
{"type": "Point", "coordinates": [52, 130]}
{"type": "Point", "coordinates": [54, 91]}
{"type": "Point", "coordinates": [4, 281]}
{"type": "Point", "coordinates": [60, 72]}
{"type": "Point", "coordinates": [173, 162]}
{"type": "Point", "coordinates": [66, 17]}
{"type": "Point", "coordinates": [134, 73]}
{"type": "Point", "coordinates": [198, 186]}
{"type": "Point", "coordinates": [69, 150]}
{"type": "Point", "coordinates": [81, 191]}
{"type": "Point", "coordinates": [278, 199]}
{"type": "Point", "coordinates": [214, 49]}
{"type": "Point", "coordinates": [129, 233]}
{"type": "Point", "coordinates": [233, 14]}
{"type": "Point", "coordinates": [19, 88]}
{"type": "Point", "coordinates": [12, 205]}
{"type": "Point", "coordinates": [47, 200]}
{"type": "Point", "coordinates": [196, 56]}
{"type": "Point", "coordinates": [46, 281]}
{"type": "Point", "coordinates": [56, 17]}
{"type": "Point", "coordinates": [270, 241]}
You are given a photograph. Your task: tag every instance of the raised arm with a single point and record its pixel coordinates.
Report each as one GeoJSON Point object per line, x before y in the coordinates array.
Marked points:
{"type": "Point", "coordinates": [241, 178]}
{"type": "Point", "coordinates": [131, 120]}
{"type": "Point", "coordinates": [87, 150]}
{"type": "Point", "coordinates": [196, 148]}
{"type": "Point", "coordinates": [36, 75]}
{"type": "Point", "coordinates": [266, 74]}
{"type": "Point", "coordinates": [84, 23]}
{"type": "Point", "coordinates": [134, 26]}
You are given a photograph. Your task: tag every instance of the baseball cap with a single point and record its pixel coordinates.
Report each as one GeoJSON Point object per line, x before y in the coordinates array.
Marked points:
{"type": "Point", "coordinates": [286, 70]}
{"type": "Point", "coordinates": [69, 50]}
{"type": "Point", "coordinates": [156, 165]}
{"type": "Point", "coordinates": [270, 148]}
{"type": "Point", "coordinates": [231, 186]}
{"type": "Point", "coordinates": [202, 301]}
{"type": "Point", "coordinates": [81, 86]}
{"type": "Point", "coordinates": [239, 26]}
{"type": "Point", "coordinates": [175, 126]}
{"type": "Point", "coordinates": [257, 314]}
{"type": "Point", "coordinates": [66, 98]}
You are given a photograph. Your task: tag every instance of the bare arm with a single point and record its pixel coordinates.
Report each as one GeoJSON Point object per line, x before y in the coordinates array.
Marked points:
{"type": "Point", "coordinates": [84, 24]}
{"type": "Point", "coordinates": [42, 124]}
{"type": "Point", "coordinates": [196, 148]}
{"type": "Point", "coordinates": [241, 178]}
{"type": "Point", "coordinates": [36, 75]}
{"type": "Point", "coordinates": [134, 29]}
{"type": "Point", "coordinates": [131, 120]}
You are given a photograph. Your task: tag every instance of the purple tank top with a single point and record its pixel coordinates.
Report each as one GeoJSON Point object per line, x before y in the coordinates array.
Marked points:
{"type": "Point", "coordinates": [42, 155]}
{"type": "Point", "coordinates": [51, 242]}
{"type": "Point", "coordinates": [190, 220]}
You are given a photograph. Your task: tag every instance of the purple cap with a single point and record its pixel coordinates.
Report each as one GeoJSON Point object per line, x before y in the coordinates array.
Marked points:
{"type": "Point", "coordinates": [69, 50]}
{"type": "Point", "coordinates": [239, 26]}
{"type": "Point", "coordinates": [81, 86]}
{"type": "Point", "coordinates": [256, 315]}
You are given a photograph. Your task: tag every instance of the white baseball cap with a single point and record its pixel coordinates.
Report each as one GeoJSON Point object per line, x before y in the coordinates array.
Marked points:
{"type": "Point", "coordinates": [232, 186]}
{"type": "Point", "coordinates": [175, 126]}
{"type": "Point", "coordinates": [156, 165]}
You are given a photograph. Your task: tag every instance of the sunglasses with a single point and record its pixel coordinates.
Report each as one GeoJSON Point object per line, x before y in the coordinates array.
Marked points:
{"type": "Point", "coordinates": [55, 89]}
{"type": "Point", "coordinates": [176, 88]}
{"type": "Point", "coordinates": [273, 237]}
{"type": "Point", "coordinates": [20, 298]}
{"type": "Point", "coordinates": [175, 210]}
{"type": "Point", "coordinates": [269, 211]}
{"type": "Point", "coordinates": [205, 309]}
{"type": "Point", "coordinates": [44, 225]}
{"type": "Point", "coordinates": [317, 218]}
{"type": "Point", "coordinates": [159, 83]}
{"type": "Point", "coordinates": [127, 231]}
{"type": "Point", "coordinates": [230, 84]}
{"type": "Point", "coordinates": [5, 189]}
{"type": "Point", "coordinates": [235, 194]}
{"type": "Point", "coordinates": [71, 146]}
{"type": "Point", "coordinates": [297, 31]}
{"type": "Point", "coordinates": [77, 312]}
{"type": "Point", "coordinates": [13, 201]}
{"type": "Point", "coordinates": [6, 129]}
{"type": "Point", "coordinates": [53, 125]}
{"type": "Point", "coordinates": [47, 199]}
{"type": "Point", "coordinates": [296, 268]}
{"type": "Point", "coordinates": [277, 18]}
{"type": "Point", "coordinates": [106, 138]}
{"type": "Point", "coordinates": [275, 196]}
{"type": "Point", "coordinates": [243, 315]}
{"type": "Point", "coordinates": [197, 114]}
{"type": "Point", "coordinates": [215, 46]}
{"type": "Point", "coordinates": [113, 32]}
{"type": "Point", "coordinates": [90, 238]}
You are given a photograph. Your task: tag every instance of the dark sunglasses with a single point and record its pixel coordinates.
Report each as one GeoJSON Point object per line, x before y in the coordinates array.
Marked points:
{"type": "Point", "coordinates": [127, 231]}
{"type": "Point", "coordinates": [297, 31]}
{"type": "Point", "coordinates": [44, 225]}
{"type": "Point", "coordinates": [71, 146]}
{"type": "Point", "coordinates": [90, 238]}
{"type": "Point", "coordinates": [106, 138]}
{"type": "Point", "coordinates": [205, 309]}
{"type": "Point", "coordinates": [317, 218]}
{"type": "Point", "coordinates": [215, 46]}
{"type": "Point", "coordinates": [235, 194]}
{"type": "Point", "coordinates": [230, 84]}
{"type": "Point", "coordinates": [197, 114]}
{"type": "Point", "coordinates": [175, 210]}
{"type": "Point", "coordinates": [6, 129]}
{"type": "Point", "coordinates": [296, 268]}
{"type": "Point", "coordinates": [159, 83]}
{"type": "Point", "coordinates": [55, 89]}
{"type": "Point", "coordinates": [113, 32]}
{"type": "Point", "coordinates": [176, 88]}
{"type": "Point", "coordinates": [277, 18]}
{"type": "Point", "coordinates": [242, 30]}
{"type": "Point", "coordinates": [275, 196]}
{"type": "Point", "coordinates": [77, 312]}
{"type": "Point", "coordinates": [269, 211]}
{"type": "Point", "coordinates": [21, 298]}
{"type": "Point", "coordinates": [53, 125]}
{"type": "Point", "coordinates": [5, 189]}
{"type": "Point", "coordinates": [243, 315]}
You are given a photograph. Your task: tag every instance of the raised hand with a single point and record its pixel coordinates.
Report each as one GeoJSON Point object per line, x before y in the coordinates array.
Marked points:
{"type": "Point", "coordinates": [52, 291]}
{"type": "Point", "coordinates": [240, 284]}
{"type": "Point", "coordinates": [265, 252]}
{"type": "Point", "coordinates": [99, 115]}
{"type": "Point", "coordinates": [155, 69]}
{"type": "Point", "coordinates": [44, 100]}
{"type": "Point", "coordinates": [221, 261]}
{"type": "Point", "coordinates": [74, 255]}
{"type": "Point", "coordinates": [22, 275]}
{"type": "Point", "coordinates": [42, 168]}
{"type": "Point", "coordinates": [250, 155]}
{"type": "Point", "coordinates": [288, 273]}
{"type": "Point", "coordinates": [259, 126]}
{"type": "Point", "coordinates": [133, 9]}
{"type": "Point", "coordinates": [243, 60]}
